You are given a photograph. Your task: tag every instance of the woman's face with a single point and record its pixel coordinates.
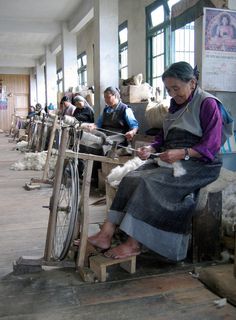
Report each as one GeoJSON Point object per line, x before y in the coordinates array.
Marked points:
{"type": "Point", "coordinates": [179, 90]}
{"type": "Point", "coordinates": [79, 104]}
{"type": "Point", "coordinates": [110, 99]}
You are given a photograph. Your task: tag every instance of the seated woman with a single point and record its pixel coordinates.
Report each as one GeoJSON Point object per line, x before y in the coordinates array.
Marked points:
{"type": "Point", "coordinates": [66, 107]}
{"type": "Point", "coordinates": [152, 206]}
{"type": "Point", "coordinates": [117, 117]}
{"type": "Point", "coordinates": [83, 111]}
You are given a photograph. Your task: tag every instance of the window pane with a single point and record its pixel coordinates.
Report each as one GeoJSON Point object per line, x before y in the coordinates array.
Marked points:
{"type": "Point", "coordinates": [124, 73]}
{"type": "Point", "coordinates": [124, 58]}
{"type": "Point", "coordinates": [157, 16]}
{"type": "Point", "coordinates": [84, 60]}
{"type": "Point", "coordinates": [79, 63]}
{"type": "Point", "coordinates": [184, 44]}
{"type": "Point", "coordinates": [123, 35]}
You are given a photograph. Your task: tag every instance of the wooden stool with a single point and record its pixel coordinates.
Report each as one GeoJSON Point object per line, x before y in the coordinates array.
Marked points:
{"type": "Point", "coordinates": [99, 264]}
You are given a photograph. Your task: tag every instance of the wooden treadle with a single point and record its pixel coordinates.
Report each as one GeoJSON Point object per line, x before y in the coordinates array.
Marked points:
{"type": "Point", "coordinates": [99, 264]}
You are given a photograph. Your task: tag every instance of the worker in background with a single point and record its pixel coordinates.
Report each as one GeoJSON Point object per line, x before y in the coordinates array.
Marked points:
{"type": "Point", "coordinates": [83, 111]}
{"type": "Point", "coordinates": [116, 116]}
{"type": "Point", "coordinates": [66, 107]}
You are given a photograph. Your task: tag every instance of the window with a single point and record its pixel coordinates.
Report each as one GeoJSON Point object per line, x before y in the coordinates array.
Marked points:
{"type": "Point", "coordinates": [184, 44]}
{"type": "Point", "coordinates": [123, 50]}
{"type": "Point", "coordinates": [59, 80]}
{"type": "Point", "coordinates": [164, 46]}
{"type": "Point", "coordinates": [82, 69]}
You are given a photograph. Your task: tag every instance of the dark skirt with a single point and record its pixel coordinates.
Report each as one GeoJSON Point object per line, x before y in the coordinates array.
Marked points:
{"type": "Point", "coordinates": [159, 205]}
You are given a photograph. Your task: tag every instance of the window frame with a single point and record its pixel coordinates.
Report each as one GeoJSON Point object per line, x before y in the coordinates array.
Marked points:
{"type": "Point", "coordinates": [169, 41]}
{"type": "Point", "coordinates": [82, 71]}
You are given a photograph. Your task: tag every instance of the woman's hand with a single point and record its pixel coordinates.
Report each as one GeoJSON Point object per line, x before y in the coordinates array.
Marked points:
{"type": "Point", "coordinates": [88, 126]}
{"type": "Point", "coordinates": [130, 134]}
{"type": "Point", "coordinates": [144, 152]}
{"type": "Point", "coordinates": [172, 155]}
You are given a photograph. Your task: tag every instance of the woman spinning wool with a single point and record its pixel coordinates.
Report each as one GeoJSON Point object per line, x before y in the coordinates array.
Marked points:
{"type": "Point", "coordinates": [152, 206]}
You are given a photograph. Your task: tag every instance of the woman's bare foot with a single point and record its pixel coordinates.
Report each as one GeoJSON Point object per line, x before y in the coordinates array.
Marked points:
{"type": "Point", "coordinates": [130, 248]}
{"type": "Point", "coordinates": [103, 238]}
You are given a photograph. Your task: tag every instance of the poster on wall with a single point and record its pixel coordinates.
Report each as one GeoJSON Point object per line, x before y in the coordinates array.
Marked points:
{"type": "Point", "coordinates": [219, 50]}
{"type": "Point", "coordinates": [3, 97]}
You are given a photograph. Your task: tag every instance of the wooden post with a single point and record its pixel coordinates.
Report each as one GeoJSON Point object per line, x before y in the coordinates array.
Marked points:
{"type": "Point", "coordinates": [84, 212]}
{"type": "Point", "coordinates": [52, 136]}
{"type": "Point", "coordinates": [55, 195]}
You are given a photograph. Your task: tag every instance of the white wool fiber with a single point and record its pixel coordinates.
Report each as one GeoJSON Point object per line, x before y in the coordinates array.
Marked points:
{"type": "Point", "coordinates": [178, 169]}
{"type": "Point", "coordinates": [34, 161]}
{"type": "Point", "coordinates": [119, 172]}
{"type": "Point", "coordinates": [229, 210]}
{"type": "Point", "coordinates": [155, 113]}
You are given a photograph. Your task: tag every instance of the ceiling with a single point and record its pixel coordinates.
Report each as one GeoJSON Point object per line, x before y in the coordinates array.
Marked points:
{"type": "Point", "coordinates": [28, 26]}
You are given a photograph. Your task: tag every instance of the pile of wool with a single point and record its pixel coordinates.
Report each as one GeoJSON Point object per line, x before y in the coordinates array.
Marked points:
{"type": "Point", "coordinates": [21, 146]}
{"type": "Point", "coordinates": [119, 172]}
{"type": "Point", "coordinates": [155, 113]}
{"type": "Point", "coordinates": [229, 210]}
{"type": "Point", "coordinates": [35, 161]}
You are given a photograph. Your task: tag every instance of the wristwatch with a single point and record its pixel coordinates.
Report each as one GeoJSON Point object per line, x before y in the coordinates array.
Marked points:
{"type": "Point", "coordinates": [186, 154]}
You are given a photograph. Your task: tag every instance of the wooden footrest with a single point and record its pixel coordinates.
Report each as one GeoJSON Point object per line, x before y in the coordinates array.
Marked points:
{"type": "Point", "coordinates": [99, 264]}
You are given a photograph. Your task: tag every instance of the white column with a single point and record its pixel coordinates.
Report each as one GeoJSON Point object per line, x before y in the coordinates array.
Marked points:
{"type": "Point", "coordinates": [33, 93]}
{"type": "Point", "coordinates": [106, 63]}
{"type": "Point", "coordinates": [69, 59]}
{"type": "Point", "coordinates": [51, 78]}
{"type": "Point", "coordinates": [40, 83]}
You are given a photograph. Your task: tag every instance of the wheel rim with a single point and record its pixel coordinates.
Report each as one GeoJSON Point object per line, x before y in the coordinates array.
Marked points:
{"type": "Point", "coordinates": [67, 211]}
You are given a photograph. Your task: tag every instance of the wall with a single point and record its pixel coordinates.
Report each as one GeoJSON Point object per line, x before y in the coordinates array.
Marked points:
{"type": "Point", "coordinates": [85, 42]}
{"type": "Point", "coordinates": [18, 103]}
{"type": "Point", "coordinates": [134, 13]}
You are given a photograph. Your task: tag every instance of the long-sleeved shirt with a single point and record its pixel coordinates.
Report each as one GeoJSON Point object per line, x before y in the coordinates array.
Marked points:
{"type": "Point", "coordinates": [129, 117]}
{"type": "Point", "coordinates": [211, 124]}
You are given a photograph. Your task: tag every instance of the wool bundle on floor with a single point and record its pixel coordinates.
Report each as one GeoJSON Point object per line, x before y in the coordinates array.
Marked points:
{"type": "Point", "coordinates": [21, 146]}
{"type": "Point", "coordinates": [229, 210]}
{"type": "Point", "coordinates": [35, 161]}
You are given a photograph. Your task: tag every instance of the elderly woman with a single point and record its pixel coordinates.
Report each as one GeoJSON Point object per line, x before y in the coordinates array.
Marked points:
{"type": "Point", "coordinates": [116, 116]}
{"type": "Point", "coordinates": [83, 111]}
{"type": "Point", "coordinates": [66, 107]}
{"type": "Point", "coordinates": [152, 206]}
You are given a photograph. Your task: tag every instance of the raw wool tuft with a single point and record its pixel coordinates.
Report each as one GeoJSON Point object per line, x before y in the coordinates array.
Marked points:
{"type": "Point", "coordinates": [21, 146]}
{"type": "Point", "coordinates": [119, 172]}
{"type": "Point", "coordinates": [229, 210]}
{"type": "Point", "coordinates": [178, 169]}
{"type": "Point", "coordinates": [116, 174]}
{"type": "Point", "coordinates": [155, 113]}
{"type": "Point", "coordinates": [35, 161]}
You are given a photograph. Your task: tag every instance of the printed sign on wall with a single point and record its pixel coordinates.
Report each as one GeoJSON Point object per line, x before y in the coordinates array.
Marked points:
{"type": "Point", "coordinates": [219, 50]}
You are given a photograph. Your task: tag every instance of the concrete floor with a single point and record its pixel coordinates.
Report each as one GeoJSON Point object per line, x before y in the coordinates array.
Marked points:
{"type": "Point", "coordinates": [23, 220]}
{"type": "Point", "coordinates": [156, 291]}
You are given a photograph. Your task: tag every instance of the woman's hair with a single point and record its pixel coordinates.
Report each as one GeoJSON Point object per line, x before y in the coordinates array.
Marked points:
{"type": "Point", "coordinates": [113, 91]}
{"type": "Point", "coordinates": [65, 99]}
{"type": "Point", "coordinates": [38, 107]}
{"type": "Point", "coordinates": [182, 71]}
{"type": "Point", "coordinates": [78, 98]}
